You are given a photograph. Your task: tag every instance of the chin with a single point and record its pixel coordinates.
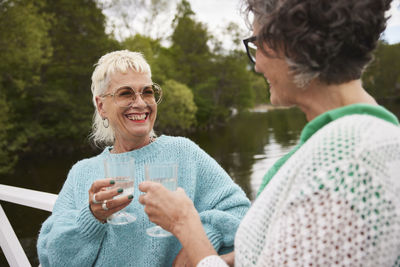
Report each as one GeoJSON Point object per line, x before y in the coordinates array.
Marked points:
{"type": "Point", "coordinates": [139, 130]}
{"type": "Point", "coordinates": [141, 133]}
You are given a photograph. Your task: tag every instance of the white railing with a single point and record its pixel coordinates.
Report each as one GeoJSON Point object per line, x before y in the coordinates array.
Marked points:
{"type": "Point", "coordinates": [10, 245]}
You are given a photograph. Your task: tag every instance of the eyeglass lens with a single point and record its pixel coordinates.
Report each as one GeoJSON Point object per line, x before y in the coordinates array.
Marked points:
{"type": "Point", "coordinates": [252, 48]}
{"type": "Point", "coordinates": [124, 97]}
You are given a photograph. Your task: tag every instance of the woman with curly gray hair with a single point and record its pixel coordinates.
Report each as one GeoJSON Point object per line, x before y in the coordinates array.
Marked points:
{"type": "Point", "coordinates": [335, 198]}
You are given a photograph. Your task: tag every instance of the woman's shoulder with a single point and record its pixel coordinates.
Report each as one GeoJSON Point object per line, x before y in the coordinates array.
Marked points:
{"type": "Point", "coordinates": [360, 128]}
{"type": "Point", "coordinates": [349, 138]}
{"type": "Point", "coordinates": [179, 141]}
{"type": "Point", "coordinates": [354, 138]}
{"type": "Point", "coordinates": [90, 162]}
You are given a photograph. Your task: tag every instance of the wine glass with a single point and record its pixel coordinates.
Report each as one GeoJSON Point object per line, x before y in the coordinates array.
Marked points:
{"type": "Point", "coordinates": [167, 175]}
{"type": "Point", "coordinates": [122, 170]}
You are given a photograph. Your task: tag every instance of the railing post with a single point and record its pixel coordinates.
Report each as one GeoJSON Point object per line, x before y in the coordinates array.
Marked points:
{"type": "Point", "coordinates": [9, 243]}
{"type": "Point", "coordinates": [8, 240]}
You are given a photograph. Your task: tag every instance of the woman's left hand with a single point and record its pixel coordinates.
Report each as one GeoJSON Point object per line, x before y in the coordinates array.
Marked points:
{"type": "Point", "coordinates": [168, 209]}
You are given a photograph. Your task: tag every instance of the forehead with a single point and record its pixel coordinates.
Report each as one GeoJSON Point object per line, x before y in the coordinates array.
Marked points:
{"type": "Point", "coordinates": [130, 78]}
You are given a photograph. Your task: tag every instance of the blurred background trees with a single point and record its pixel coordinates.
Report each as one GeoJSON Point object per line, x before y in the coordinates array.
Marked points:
{"type": "Point", "coordinates": [382, 77]}
{"type": "Point", "coordinates": [48, 49]}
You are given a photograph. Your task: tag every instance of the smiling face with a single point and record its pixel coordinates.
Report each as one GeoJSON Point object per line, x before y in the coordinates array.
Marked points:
{"type": "Point", "coordinates": [275, 69]}
{"type": "Point", "coordinates": [132, 125]}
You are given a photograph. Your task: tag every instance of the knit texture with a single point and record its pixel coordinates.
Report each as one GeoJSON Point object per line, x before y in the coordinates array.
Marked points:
{"type": "Point", "coordinates": [72, 236]}
{"type": "Point", "coordinates": [322, 120]}
{"type": "Point", "coordinates": [335, 202]}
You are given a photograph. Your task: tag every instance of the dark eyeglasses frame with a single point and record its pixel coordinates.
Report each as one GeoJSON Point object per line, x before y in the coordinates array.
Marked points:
{"type": "Point", "coordinates": [246, 42]}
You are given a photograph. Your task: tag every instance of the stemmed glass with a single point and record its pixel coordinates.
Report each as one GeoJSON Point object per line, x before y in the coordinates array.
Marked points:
{"type": "Point", "coordinates": [167, 175]}
{"type": "Point", "coordinates": [122, 170]}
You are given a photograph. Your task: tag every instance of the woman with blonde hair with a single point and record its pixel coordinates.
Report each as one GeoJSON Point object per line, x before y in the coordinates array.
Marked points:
{"type": "Point", "coordinates": [77, 233]}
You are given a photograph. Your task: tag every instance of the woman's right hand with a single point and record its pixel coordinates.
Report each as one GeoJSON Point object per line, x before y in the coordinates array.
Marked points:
{"type": "Point", "coordinates": [101, 201]}
{"type": "Point", "coordinates": [168, 209]}
{"type": "Point", "coordinates": [229, 258]}
{"type": "Point", "coordinates": [176, 213]}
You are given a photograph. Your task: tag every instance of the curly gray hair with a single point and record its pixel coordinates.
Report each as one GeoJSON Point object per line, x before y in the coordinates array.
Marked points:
{"type": "Point", "coordinates": [117, 61]}
{"type": "Point", "coordinates": [332, 40]}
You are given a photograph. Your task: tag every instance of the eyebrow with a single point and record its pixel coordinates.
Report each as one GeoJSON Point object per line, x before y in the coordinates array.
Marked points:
{"type": "Point", "coordinates": [130, 87]}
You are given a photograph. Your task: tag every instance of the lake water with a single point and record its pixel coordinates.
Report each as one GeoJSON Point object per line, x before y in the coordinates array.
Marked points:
{"type": "Point", "coordinates": [246, 147]}
{"type": "Point", "coordinates": [251, 142]}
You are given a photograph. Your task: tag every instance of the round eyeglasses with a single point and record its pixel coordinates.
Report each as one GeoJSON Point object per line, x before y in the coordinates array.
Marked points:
{"type": "Point", "coordinates": [125, 96]}
{"type": "Point", "coordinates": [251, 48]}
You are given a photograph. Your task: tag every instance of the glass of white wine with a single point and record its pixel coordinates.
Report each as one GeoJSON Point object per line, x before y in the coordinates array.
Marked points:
{"type": "Point", "coordinates": [121, 169]}
{"type": "Point", "coordinates": [167, 175]}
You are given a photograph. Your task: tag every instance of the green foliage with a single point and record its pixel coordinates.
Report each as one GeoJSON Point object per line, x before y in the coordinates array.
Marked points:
{"type": "Point", "coordinates": [220, 82]}
{"type": "Point", "coordinates": [147, 46]}
{"type": "Point", "coordinates": [7, 159]}
{"type": "Point", "coordinates": [25, 48]}
{"type": "Point", "coordinates": [190, 51]}
{"type": "Point", "coordinates": [151, 49]}
{"type": "Point", "coordinates": [24, 43]}
{"type": "Point", "coordinates": [382, 77]}
{"type": "Point", "coordinates": [48, 49]}
{"type": "Point", "coordinates": [78, 38]}
{"type": "Point", "coordinates": [177, 111]}
{"type": "Point", "coordinates": [260, 88]}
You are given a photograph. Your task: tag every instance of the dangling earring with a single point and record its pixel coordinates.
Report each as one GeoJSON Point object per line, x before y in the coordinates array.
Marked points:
{"type": "Point", "coordinates": [106, 123]}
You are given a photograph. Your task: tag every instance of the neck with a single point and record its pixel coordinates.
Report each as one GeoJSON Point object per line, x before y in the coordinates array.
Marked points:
{"type": "Point", "coordinates": [319, 98]}
{"type": "Point", "coordinates": [126, 146]}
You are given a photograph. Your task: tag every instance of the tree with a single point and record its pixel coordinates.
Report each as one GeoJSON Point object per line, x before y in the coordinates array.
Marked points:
{"type": "Point", "coordinates": [130, 17]}
{"type": "Point", "coordinates": [177, 111]}
{"type": "Point", "coordinates": [151, 49]}
{"type": "Point", "coordinates": [78, 37]}
{"type": "Point", "coordinates": [382, 77]}
{"type": "Point", "coordinates": [25, 48]}
{"type": "Point", "coordinates": [7, 157]}
{"type": "Point", "coordinates": [189, 48]}
{"type": "Point", "coordinates": [259, 87]}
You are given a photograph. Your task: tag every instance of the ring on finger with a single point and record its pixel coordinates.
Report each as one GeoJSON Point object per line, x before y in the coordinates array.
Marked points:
{"type": "Point", "coordinates": [104, 205]}
{"type": "Point", "coordinates": [94, 199]}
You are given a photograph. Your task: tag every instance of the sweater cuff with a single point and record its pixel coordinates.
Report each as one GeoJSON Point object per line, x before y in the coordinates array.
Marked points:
{"type": "Point", "coordinates": [214, 237]}
{"type": "Point", "coordinates": [89, 226]}
{"type": "Point", "coordinates": [213, 261]}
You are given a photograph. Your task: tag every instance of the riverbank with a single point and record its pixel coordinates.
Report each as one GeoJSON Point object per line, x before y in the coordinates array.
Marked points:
{"type": "Point", "coordinates": [266, 107]}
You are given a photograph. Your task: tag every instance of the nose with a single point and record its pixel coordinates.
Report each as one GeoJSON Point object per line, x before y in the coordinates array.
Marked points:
{"type": "Point", "coordinates": [138, 101]}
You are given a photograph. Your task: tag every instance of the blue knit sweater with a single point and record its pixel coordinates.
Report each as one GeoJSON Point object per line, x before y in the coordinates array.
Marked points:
{"type": "Point", "coordinates": [72, 236]}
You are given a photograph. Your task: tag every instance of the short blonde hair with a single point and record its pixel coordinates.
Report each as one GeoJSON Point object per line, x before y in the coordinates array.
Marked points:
{"type": "Point", "coordinates": [117, 61]}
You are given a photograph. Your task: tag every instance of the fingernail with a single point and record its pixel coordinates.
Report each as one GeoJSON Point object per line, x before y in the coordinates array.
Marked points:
{"type": "Point", "coordinates": [120, 190]}
{"type": "Point", "coordinates": [112, 182]}
{"type": "Point", "coordinates": [130, 196]}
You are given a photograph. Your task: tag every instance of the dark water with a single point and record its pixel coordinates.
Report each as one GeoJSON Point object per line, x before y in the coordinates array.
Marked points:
{"type": "Point", "coordinates": [252, 142]}
{"type": "Point", "coordinates": [246, 147]}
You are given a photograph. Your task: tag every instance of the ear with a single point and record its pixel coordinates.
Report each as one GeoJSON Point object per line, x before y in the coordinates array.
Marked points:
{"type": "Point", "coordinates": [100, 107]}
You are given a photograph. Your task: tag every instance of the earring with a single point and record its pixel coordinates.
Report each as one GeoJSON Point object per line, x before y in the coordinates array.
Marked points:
{"type": "Point", "coordinates": [106, 123]}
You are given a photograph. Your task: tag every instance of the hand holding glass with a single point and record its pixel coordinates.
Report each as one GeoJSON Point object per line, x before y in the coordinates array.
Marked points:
{"type": "Point", "coordinates": [167, 175]}
{"type": "Point", "coordinates": [122, 171]}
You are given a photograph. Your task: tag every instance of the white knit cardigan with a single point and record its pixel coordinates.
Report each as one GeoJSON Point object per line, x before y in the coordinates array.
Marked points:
{"type": "Point", "coordinates": [335, 202]}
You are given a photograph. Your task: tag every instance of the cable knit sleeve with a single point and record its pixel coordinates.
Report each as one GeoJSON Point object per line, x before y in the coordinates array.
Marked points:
{"type": "Point", "coordinates": [221, 203]}
{"type": "Point", "coordinates": [71, 236]}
